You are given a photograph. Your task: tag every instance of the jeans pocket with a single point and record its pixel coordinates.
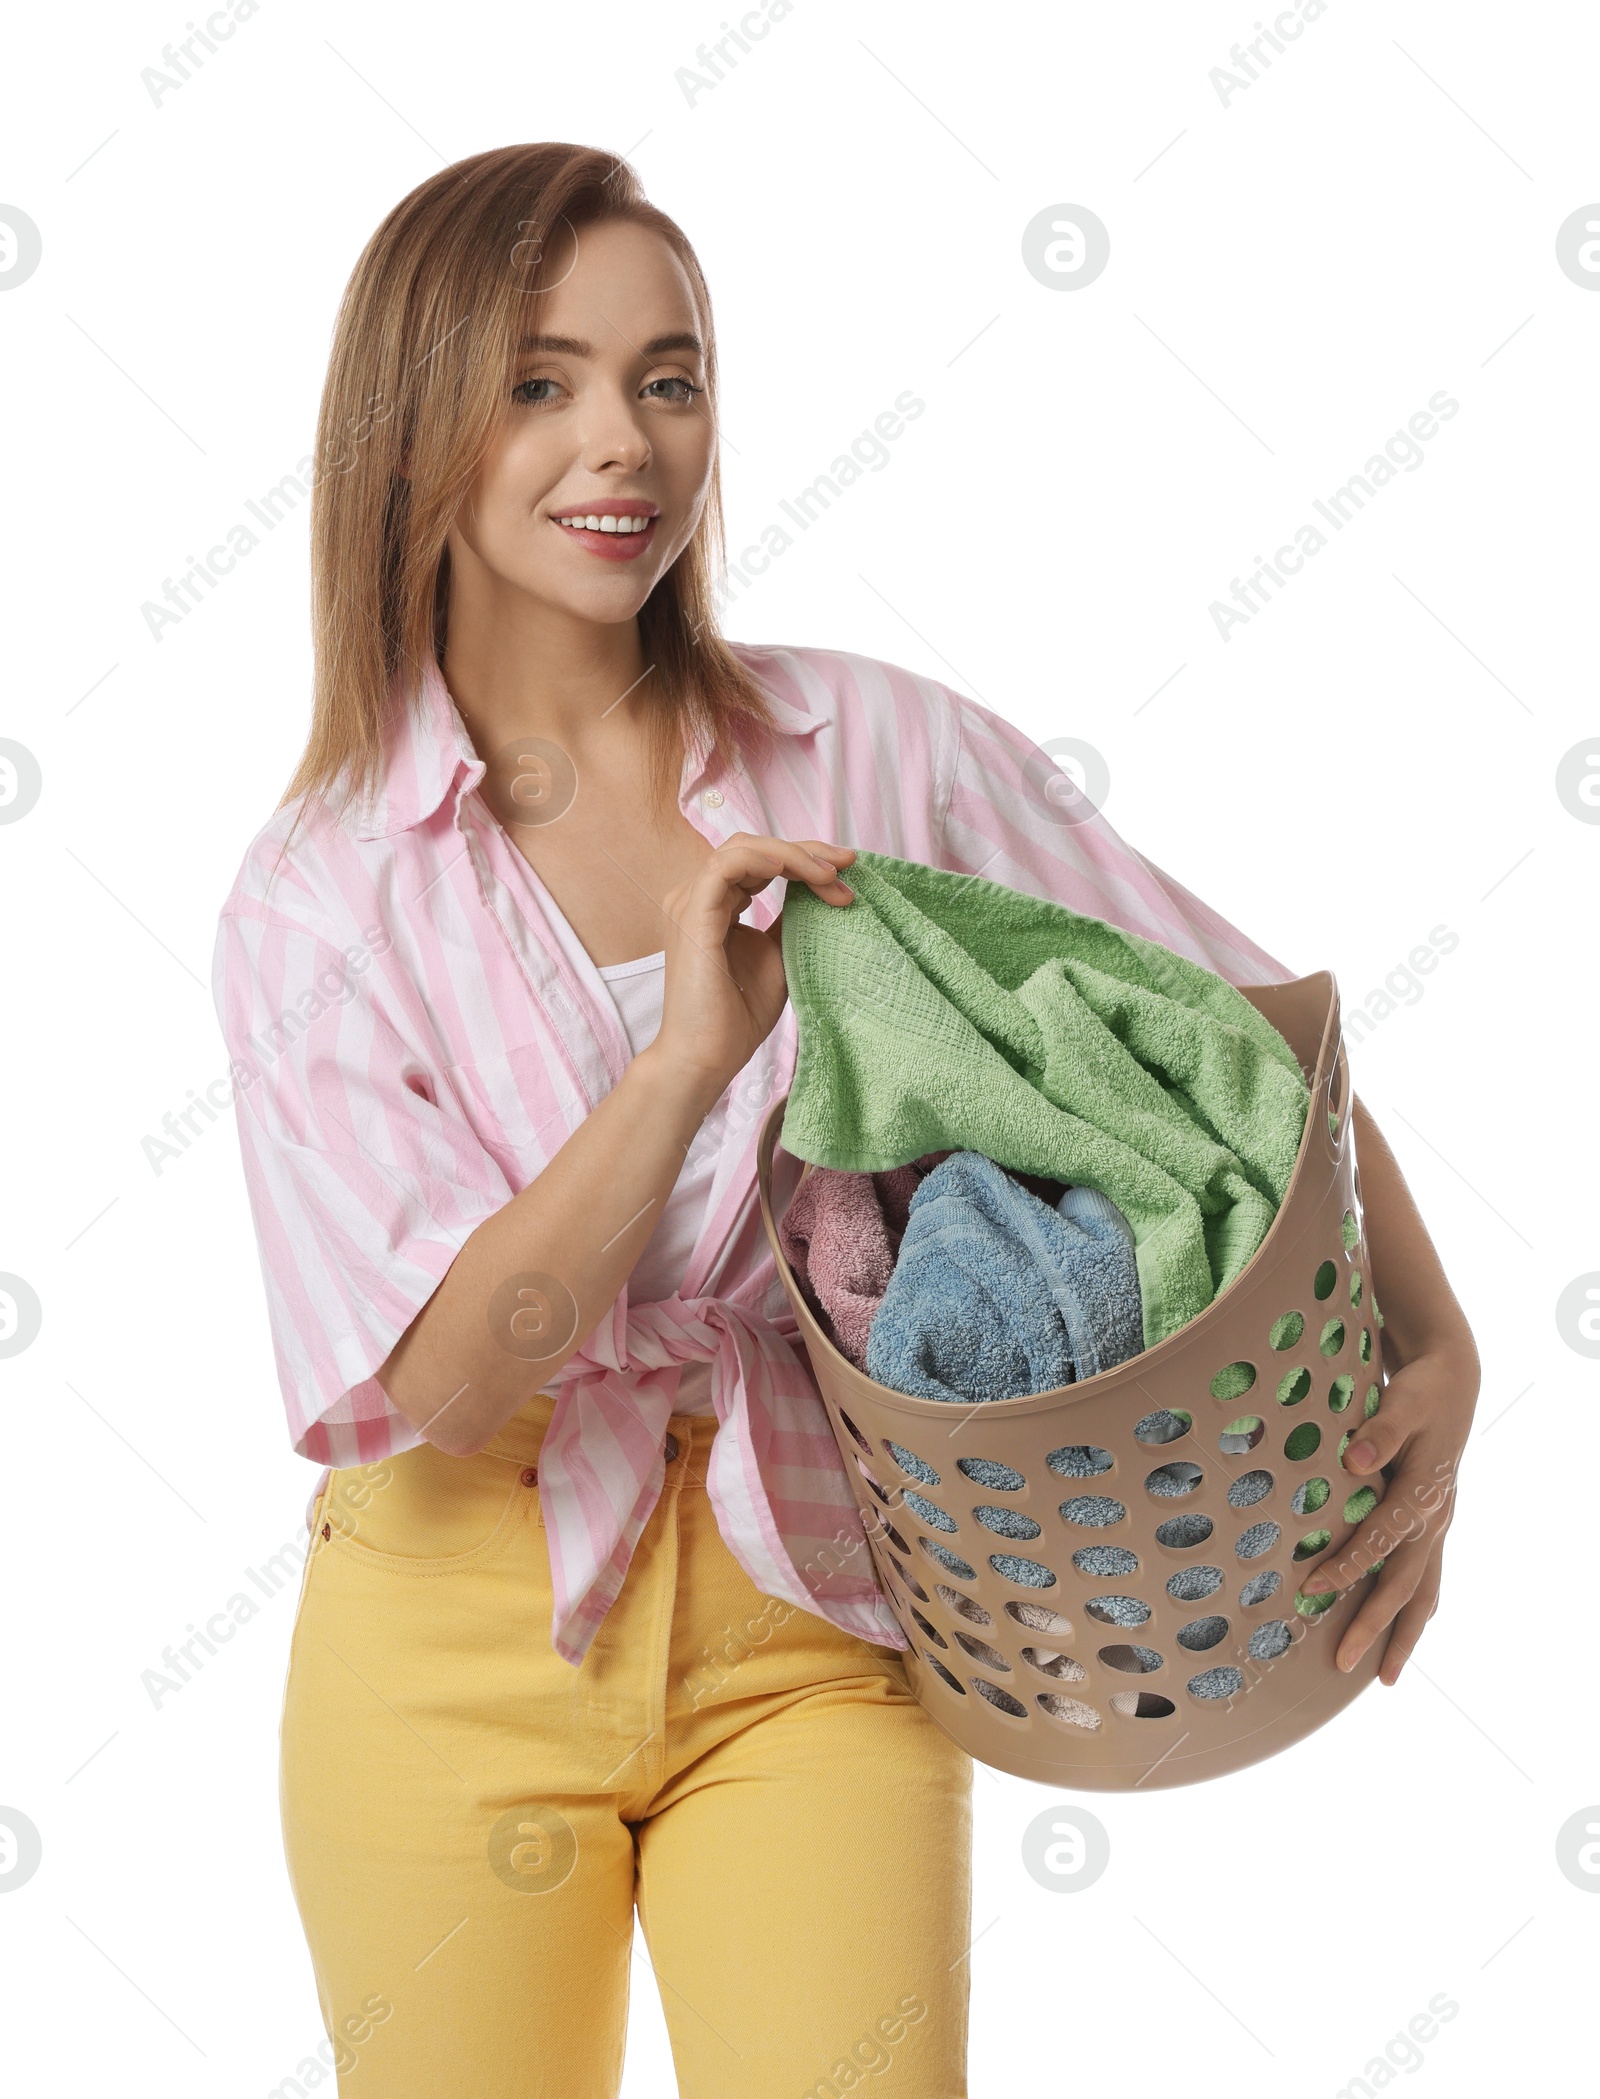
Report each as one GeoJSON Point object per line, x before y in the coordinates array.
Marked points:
{"type": "Point", "coordinates": [425, 1511]}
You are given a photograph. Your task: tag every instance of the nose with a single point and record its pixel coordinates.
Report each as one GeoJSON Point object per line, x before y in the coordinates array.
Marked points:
{"type": "Point", "coordinates": [614, 436]}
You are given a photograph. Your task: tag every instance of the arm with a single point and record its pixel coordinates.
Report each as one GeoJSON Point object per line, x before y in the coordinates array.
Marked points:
{"type": "Point", "coordinates": [1420, 1429]}
{"type": "Point", "coordinates": [1000, 821]}
{"type": "Point", "coordinates": [571, 1236]}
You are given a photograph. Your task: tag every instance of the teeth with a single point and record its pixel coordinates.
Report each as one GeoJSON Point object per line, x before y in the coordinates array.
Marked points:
{"type": "Point", "coordinates": [604, 524]}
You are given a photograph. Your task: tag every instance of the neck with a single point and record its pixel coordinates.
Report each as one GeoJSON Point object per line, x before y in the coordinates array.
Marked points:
{"type": "Point", "coordinates": [516, 667]}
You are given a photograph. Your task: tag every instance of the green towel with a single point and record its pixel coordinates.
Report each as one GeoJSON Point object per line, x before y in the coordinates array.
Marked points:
{"type": "Point", "coordinates": [943, 1012]}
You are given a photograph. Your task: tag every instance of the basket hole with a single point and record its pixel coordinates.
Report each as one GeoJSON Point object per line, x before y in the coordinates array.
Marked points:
{"type": "Point", "coordinates": [1303, 1441]}
{"type": "Point", "coordinates": [909, 1462]}
{"type": "Point", "coordinates": [1314, 1606]}
{"type": "Point", "coordinates": [1233, 1380]}
{"type": "Point", "coordinates": [850, 1425]}
{"type": "Point", "coordinates": [1015, 1569]}
{"type": "Point", "coordinates": [932, 1632]}
{"type": "Point", "coordinates": [1260, 1587]}
{"type": "Point", "coordinates": [1008, 1523]}
{"type": "Point", "coordinates": [1165, 1425]}
{"type": "Point", "coordinates": [909, 1579]}
{"type": "Point", "coordinates": [981, 1651]}
{"type": "Point", "coordinates": [1287, 1329]}
{"type": "Point", "coordinates": [1072, 1710]}
{"type": "Point", "coordinates": [1171, 1482]}
{"type": "Point", "coordinates": [1268, 1641]}
{"type": "Point", "coordinates": [1312, 1543]}
{"type": "Point", "coordinates": [1332, 1337]}
{"type": "Point", "coordinates": [1355, 1289]}
{"type": "Point", "coordinates": [989, 1472]}
{"type": "Point", "coordinates": [1364, 1345]}
{"type": "Point", "coordinates": [1079, 1461]}
{"type": "Point", "coordinates": [1293, 1387]}
{"type": "Point", "coordinates": [951, 1562]}
{"type": "Point", "coordinates": [1340, 1394]}
{"type": "Point", "coordinates": [1325, 1281]}
{"type": "Point", "coordinates": [1361, 1505]}
{"type": "Point", "coordinates": [1345, 1442]}
{"type": "Point", "coordinates": [1349, 1231]}
{"type": "Point", "coordinates": [1259, 1538]}
{"type": "Point", "coordinates": [963, 1606]}
{"type": "Point", "coordinates": [873, 1484]}
{"type": "Point", "coordinates": [1093, 1511]}
{"type": "Point", "coordinates": [997, 1697]}
{"type": "Point", "coordinates": [1183, 1533]}
{"type": "Point", "coordinates": [1310, 1496]}
{"type": "Point", "coordinates": [1194, 1584]}
{"type": "Point", "coordinates": [1061, 1666]}
{"type": "Point", "coordinates": [1132, 1661]}
{"type": "Point", "coordinates": [1249, 1488]}
{"type": "Point", "coordinates": [1117, 1610]}
{"type": "Point", "coordinates": [1039, 1618]}
{"type": "Point", "coordinates": [930, 1512]}
{"type": "Point", "coordinates": [893, 1536]}
{"type": "Point", "coordinates": [1201, 1633]}
{"type": "Point", "coordinates": [1142, 1705]}
{"type": "Point", "coordinates": [934, 1663]}
{"type": "Point", "coordinates": [1241, 1435]}
{"type": "Point", "coordinates": [1372, 1402]}
{"type": "Point", "coordinates": [1105, 1561]}
{"type": "Point", "coordinates": [1220, 1682]}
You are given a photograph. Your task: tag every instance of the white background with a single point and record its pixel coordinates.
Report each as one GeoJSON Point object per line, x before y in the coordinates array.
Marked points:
{"type": "Point", "coordinates": [1293, 274]}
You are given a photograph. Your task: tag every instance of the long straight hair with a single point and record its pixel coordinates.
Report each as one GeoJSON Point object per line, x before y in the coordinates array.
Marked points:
{"type": "Point", "coordinates": [419, 373]}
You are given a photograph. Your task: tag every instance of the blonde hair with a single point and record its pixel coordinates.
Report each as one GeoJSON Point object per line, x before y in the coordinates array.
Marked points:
{"type": "Point", "coordinates": [419, 370]}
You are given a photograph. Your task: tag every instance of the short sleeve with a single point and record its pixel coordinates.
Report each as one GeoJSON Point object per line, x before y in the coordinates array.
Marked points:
{"type": "Point", "coordinates": [1012, 815]}
{"type": "Point", "coordinates": [362, 1186]}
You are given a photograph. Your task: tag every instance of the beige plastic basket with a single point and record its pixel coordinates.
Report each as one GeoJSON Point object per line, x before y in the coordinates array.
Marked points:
{"type": "Point", "coordinates": [1190, 1657]}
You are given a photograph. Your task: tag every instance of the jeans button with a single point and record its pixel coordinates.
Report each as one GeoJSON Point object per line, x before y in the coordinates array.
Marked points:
{"type": "Point", "coordinates": [671, 1447]}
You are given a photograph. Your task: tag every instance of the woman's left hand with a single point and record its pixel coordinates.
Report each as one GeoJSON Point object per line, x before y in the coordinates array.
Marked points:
{"type": "Point", "coordinates": [1421, 1427]}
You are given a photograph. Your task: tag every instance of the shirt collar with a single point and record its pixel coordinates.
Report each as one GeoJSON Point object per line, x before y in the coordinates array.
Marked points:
{"type": "Point", "coordinates": [427, 750]}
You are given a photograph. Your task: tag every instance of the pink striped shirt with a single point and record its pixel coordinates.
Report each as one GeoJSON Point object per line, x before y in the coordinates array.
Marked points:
{"type": "Point", "coordinates": [412, 1042]}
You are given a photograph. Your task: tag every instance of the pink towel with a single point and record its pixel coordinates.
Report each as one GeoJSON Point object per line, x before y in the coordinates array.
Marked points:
{"type": "Point", "coordinates": [840, 1235]}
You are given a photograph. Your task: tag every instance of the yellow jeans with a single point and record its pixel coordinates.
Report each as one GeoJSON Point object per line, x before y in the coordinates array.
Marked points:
{"type": "Point", "coordinates": [470, 1820]}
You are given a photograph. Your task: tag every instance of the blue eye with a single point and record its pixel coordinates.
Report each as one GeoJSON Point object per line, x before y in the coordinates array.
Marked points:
{"type": "Point", "coordinates": [523, 392]}
{"type": "Point", "coordinates": [688, 385]}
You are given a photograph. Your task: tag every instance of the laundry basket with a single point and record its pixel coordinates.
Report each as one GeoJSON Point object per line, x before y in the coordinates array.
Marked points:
{"type": "Point", "coordinates": [1147, 1631]}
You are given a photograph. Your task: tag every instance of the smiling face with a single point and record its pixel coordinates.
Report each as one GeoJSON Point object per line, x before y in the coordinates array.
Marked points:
{"type": "Point", "coordinates": [596, 478]}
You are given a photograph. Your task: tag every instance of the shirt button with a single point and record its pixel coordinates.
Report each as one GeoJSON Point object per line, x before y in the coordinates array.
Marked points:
{"type": "Point", "coordinates": [671, 1448]}
{"type": "Point", "coordinates": [712, 798]}
{"type": "Point", "coordinates": [530, 1476]}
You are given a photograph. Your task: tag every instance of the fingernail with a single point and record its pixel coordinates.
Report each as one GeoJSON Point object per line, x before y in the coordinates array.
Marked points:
{"type": "Point", "coordinates": [1364, 1456]}
{"type": "Point", "coordinates": [1319, 1585]}
{"type": "Point", "coordinates": [1348, 1661]}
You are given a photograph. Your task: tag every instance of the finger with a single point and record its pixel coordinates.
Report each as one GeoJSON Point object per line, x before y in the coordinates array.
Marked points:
{"type": "Point", "coordinates": [1388, 1596]}
{"type": "Point", "coordinates": [1411, 1515]}
{"type": "Point", "coordinates": [742, 857]}
{"type": "Point", "coordinates": [835, 855]}
{"type": "Point", "coordinates": [1380, 1435]}
{"type": "Point", "coordinates": [1409, 1628]}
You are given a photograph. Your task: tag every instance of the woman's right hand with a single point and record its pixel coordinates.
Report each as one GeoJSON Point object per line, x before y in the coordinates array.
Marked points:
{"type": "Point", "coordinates": [724, 981]}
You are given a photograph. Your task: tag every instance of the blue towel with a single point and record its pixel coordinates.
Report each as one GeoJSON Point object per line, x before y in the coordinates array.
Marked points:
{"type": "Point", "coordinates": [996, 1294]}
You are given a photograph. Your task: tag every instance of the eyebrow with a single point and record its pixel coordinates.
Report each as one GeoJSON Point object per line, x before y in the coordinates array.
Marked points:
{"type": "Point", "coordinates": [572, 346]}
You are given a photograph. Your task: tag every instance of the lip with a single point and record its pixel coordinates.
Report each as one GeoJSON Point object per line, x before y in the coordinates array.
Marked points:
{"type": "Point", "coordinates": [609, 546]}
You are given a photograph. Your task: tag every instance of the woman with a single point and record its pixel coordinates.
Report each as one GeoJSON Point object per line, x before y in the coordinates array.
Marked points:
{"type": "Point", "coordinates": [588, 1618]}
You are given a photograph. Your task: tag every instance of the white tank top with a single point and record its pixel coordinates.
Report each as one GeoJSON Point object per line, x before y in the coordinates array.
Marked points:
{"type": "Point", "coordinates": [636, 990]}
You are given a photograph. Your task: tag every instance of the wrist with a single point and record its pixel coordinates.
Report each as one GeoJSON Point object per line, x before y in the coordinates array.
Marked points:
{"type": "Point", "coordinates": [683, 1091]}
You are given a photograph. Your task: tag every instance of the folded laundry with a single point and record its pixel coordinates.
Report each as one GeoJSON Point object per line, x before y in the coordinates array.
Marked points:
{"type": "Point", "coordinates": [996, 1294]}
{"type": "Point", "coordinates": [839, 1235]}
{"type": "Point", "coordinates": [945, 1011]}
